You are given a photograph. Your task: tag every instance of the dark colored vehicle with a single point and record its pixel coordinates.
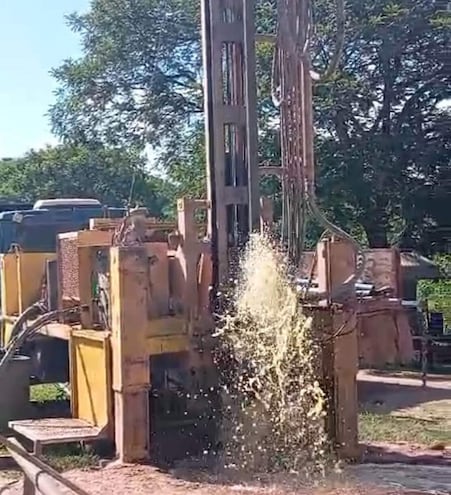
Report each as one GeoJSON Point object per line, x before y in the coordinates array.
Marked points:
{"type": "Point", "coordinates": [14, 206]}
{"type": "Point", "coordinates": [35, 229]}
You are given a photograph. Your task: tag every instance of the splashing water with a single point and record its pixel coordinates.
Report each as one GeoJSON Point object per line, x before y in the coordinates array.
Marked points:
{"type": "Point", "coordinates": [276, 408]}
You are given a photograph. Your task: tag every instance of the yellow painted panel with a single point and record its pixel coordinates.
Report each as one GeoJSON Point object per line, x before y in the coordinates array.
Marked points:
{"type": "Point", "coordinates": [167, 327]}
{"type": "Point", "coordinates": [30, 275]}
{"type": "Point", "coordinates": [90, 378]}
{"type": "Point", "coordinates": [167, 335]}
{"type": "Point", "coordinates": [167, 345]}
{"type": "Point", "coordinates": [9, 285]}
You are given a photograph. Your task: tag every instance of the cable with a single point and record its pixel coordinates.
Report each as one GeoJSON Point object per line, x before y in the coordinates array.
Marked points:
{"type": "Point", "coordinates": [275, 74]}
{"type": "Point", "coordinates": [286, 89]}
{"type": "Point", "coordinates": [292, 93]}
{"type": "Point", "coordinates": [28, 332]}
{"type": "Point", "coordinates": [17, 340]}
{"type": "Point", "coordinates": [340, 332]}
{"type": "Point", "coordinates": [339, 44]}
{"type": "Point", "coordinates": [349, 284]}
{"type": "Point", "coordinates": [28, 314]}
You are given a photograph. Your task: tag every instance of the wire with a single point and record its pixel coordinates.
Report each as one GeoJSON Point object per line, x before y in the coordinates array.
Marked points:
{"type": "Point", "coordinates": [132, 191]}
{"type": "Point", "coordinates": [348, 285]}
{"type": "Point", "coordinates": [24, 334]}
{"type": "Point", "coordinates": [275, 74]}
{"type": "Point", "coordinates": [29, 313]}
{"type": "Point", "coordinates": [292, 93]}
{"type": "Point", "coordinates": [340, 332]}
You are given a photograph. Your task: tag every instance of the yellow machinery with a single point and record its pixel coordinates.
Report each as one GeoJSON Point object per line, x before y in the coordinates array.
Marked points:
{"type": "Point", "coordinates": [142, 312]}
{"type": "Point", "coordinates": [141, 291]}
{"type": "Point", "coordinates": [22, 276]}
{"type": "Point", "coordinates": [149, 331]}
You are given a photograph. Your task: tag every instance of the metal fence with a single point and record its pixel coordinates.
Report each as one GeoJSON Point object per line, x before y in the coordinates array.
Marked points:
{"type": "Point", "coordinates": [39, 478]}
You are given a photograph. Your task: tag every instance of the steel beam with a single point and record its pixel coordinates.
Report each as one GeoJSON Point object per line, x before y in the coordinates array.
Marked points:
{"type": "Point", "coordinates": [39, 477]}
{"type": "Point", "coordinates": [228, 32]}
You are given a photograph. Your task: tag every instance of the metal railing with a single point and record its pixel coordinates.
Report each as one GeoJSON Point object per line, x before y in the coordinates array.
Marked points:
{"type": "Point", "coordinates": [38, 476]}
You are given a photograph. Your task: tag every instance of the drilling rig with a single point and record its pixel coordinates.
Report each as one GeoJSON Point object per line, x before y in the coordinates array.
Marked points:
{"type": "Point", "coordinates": [236, 206]}
{"type": "Point", "coordinates": [137, 317]}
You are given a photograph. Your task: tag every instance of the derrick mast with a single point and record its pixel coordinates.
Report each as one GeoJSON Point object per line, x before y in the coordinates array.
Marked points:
{"type": "Point", "coordinates": [228, 31]}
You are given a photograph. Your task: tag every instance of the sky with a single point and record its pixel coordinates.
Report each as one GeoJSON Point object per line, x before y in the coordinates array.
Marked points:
{"type": "Point", "coordinates": [34, 37]}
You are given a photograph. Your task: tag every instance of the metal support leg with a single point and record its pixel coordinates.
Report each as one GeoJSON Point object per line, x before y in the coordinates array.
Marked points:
{"type": "Point", "coordinates": [131, 366]}
{"type": "Point", "coordinates": [336, 261]}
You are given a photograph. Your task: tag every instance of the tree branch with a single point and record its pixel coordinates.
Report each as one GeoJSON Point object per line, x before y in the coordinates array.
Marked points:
{"type": "Point", "coordinates": [429, 84]}
{"type": "Point", "coordinates": [340, 126]}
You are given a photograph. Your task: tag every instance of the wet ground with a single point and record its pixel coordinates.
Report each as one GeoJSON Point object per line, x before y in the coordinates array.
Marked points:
{"type": "Point", "coordinates": [358, 480]}
{"type": "Point", "coordinates": [425, 479]}
{"type": "Point", "coordinates": [402, 468]}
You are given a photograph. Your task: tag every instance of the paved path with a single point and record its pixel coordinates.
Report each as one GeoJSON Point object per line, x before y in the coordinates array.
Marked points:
{"type": "Point", "coordinates": [428, 479]}
{"type": "Point", "coordinates": [405, 379]}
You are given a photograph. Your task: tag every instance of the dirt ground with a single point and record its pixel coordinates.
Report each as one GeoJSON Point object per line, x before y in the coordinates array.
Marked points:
{"type": "Point", "coordinates": [390, 391]}
{"type": "Point", "coordinates": [147, 480]}
{"type": "Point", "coordinates": [395, 469]}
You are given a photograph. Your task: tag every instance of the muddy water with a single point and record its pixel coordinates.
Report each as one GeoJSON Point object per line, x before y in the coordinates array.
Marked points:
{"type": "Point", "coordinates": [277, 406]}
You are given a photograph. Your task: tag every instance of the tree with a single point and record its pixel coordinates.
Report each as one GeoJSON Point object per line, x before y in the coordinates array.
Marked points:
{"type": "Point", "coordinates": [138, 80]}
{"type": "Point", "coordinates": [184, 162]}
{"type": "Point", "coordinates": [109, 175]}
{"type": "Point", "coordinates": [381, 141]}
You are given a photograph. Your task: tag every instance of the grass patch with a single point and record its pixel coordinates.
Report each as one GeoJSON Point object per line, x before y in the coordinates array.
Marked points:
{"type": "Point", "coordinates": [46, 393]}
{"type": "Point", "coordinates": [61, 457]}
{"type": "Point", "coordinates": [68, 457]}
{"type": "Point", "coordinates": [386, 428]}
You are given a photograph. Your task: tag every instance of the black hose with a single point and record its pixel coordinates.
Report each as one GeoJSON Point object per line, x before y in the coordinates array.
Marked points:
{"type": "Point", "coordinates": [32, 311]}
{"type": "Point", "coordinates": [28, 332]}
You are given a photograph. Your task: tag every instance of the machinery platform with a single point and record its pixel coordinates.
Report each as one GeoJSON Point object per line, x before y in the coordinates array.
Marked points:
{"type": "Point", "coordinates": [51, 431]}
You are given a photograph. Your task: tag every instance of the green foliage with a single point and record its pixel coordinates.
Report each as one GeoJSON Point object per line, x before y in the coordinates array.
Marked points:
{"type": "Point", "coordinates": [184, 161]}
{"type": "Point", "coordinates": [383, 146]}
{"type": "Point", "coordinates": [437, 294]}
{"type": "Point", "coordinates": [138, 80]}
{"type": "Point", "coordinates": [46, 393]}
{"type": "Point", "coordinates": [427, 289]}
{"type": "Point", "coordinates": [383, 143]}
{"type": "Point", "coordinates": [443, 261]}
{"type": "Point", "coordinates": [103, 173]}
